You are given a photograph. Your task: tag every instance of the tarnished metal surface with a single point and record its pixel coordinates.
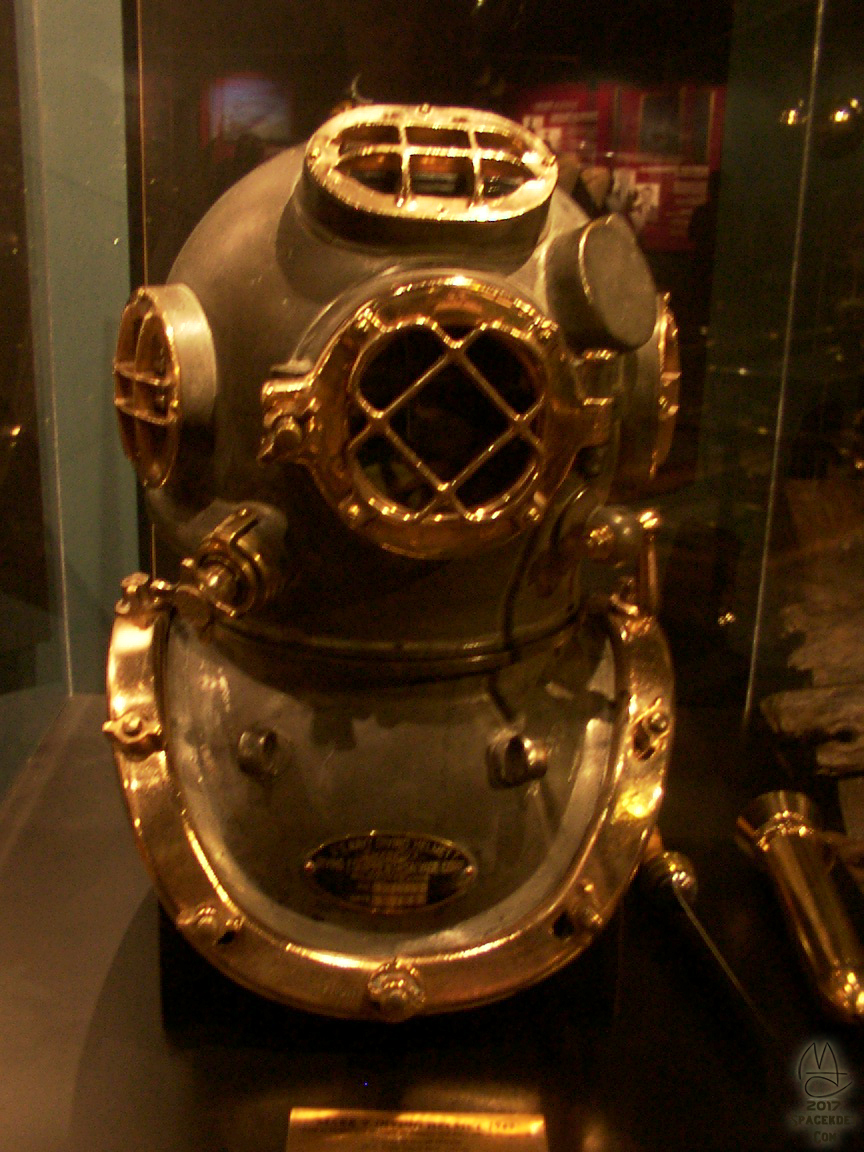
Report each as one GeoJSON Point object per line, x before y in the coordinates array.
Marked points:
{"type": "Point", "coordinates": [228, 855]}
{"type": "Point", "coordinates": [381, 755]}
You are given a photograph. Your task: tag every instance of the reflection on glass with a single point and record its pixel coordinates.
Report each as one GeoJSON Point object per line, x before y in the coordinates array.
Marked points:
{"type": "Point", "coordinates": [808, 668]}
{"type": "Point", "coordinates": [24, 592]}
{"type": "Point", "coordinates": [642, 108]}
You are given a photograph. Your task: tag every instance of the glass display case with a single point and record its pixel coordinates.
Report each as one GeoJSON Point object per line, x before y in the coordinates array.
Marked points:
{"type": "Point", "coordinates": [69, 509]}
{"type": "Point", "coordinates": [729, 139]}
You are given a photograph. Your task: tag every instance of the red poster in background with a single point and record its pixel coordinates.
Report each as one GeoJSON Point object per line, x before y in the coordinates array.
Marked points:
{"type": "Point", "coordinates": [660, 146]}
{"type": "Point", "coordinates": [573, 119]}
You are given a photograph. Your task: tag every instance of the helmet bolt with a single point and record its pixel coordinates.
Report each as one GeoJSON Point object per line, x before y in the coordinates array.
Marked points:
{"type": "Point", "coordinates": [513, 758]}
{"type": "Point", "coordinates": [396, 991]}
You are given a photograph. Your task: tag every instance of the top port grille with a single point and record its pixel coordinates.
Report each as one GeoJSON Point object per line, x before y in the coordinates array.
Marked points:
{"type": "Point", "coordinates": [422, 163]}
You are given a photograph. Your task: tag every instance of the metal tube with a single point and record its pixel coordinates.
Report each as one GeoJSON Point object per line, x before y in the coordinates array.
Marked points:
{"type": "Point", "coordinates": [780, 830]}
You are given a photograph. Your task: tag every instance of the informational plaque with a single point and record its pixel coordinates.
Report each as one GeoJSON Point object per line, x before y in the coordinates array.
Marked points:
{"type": "Point", "coordinates": [327, 1129]}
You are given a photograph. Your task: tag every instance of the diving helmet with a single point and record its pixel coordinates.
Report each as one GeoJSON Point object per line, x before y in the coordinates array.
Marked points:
{"type": "Point", "coordinates": [384, 751]}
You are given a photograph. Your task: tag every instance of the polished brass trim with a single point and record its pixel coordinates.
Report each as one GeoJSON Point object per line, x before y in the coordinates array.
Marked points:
{"type": "Point", "coordinates": [322, 1129]}
{"type": "Point", "coordinates": [522, 948]}
{"type": "Point", "coordinates": [781, 830]}
{"type": "Point", "coordinates": [326, 420]}
{"type": "Point", "coordinates": [396, 990]}
{"type": "Point", "coordinates": [436, 164]}
{"type": "Point", "coordinates": [668, 392]}
{"type": "Point", "coordinates": [164, 374]}
{"type": "Point", "coordinates": [783, 824]}
{"type": "Point", "coordinates": [650, 409]}
{"type": "Point", "coordinates": [231, 573]}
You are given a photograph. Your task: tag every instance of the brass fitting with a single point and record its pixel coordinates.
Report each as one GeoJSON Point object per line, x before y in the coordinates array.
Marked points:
{"type": "Point", "coordinates": [235, 570]}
